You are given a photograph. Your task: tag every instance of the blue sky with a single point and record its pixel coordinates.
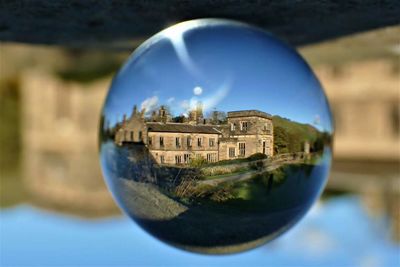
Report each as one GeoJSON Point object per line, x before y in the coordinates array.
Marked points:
{"type": "Point", "coordinates": [336, 233]}
{"type": "Point", "coordinates": [225, 67]}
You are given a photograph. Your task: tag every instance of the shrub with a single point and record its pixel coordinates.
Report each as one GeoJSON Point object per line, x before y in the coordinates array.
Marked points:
{"type": "Point", "coordinates": [198, 162]}
{"type": "Point", "coordinates": [257, 156]}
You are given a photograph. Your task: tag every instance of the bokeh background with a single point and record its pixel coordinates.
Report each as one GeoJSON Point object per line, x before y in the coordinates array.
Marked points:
{"type": "Point", "coordinates": [56, 210]}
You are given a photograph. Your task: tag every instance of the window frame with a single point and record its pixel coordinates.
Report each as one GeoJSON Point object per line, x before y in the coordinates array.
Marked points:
{"type": "Point", "coordinates": [199, 141]}
{"type": "Point", "coordinates": [178, 143]}
{"type": "Point", "coordinates": [161, 140]}
{"type": "Point", "coordinates": [230, 155]}
{"type": "Point", "coordinates": [242, 123]}
{"type": "Point", "coordinates": [211, 142]}
{"type": "Point", "coordinates": [242, 148]}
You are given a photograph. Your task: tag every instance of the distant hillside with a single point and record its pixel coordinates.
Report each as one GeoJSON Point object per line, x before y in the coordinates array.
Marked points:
{"type": "Point", "coordinates": [290, 136]}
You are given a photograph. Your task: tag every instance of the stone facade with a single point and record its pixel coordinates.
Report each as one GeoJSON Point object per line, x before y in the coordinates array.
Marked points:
{"type": "Point", "coordinates": [245, 133]}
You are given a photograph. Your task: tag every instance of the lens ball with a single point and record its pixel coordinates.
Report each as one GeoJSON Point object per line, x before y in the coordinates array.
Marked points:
{"type": "Point", "coordinates": [215, 136]}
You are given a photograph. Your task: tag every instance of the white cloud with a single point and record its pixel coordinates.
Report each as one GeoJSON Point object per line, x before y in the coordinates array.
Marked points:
{"type": "Point", "coordinates": [170, 100]}
{"type": "Point", "coordinates": [149, 104]}
{"type": "Point", "coordinates": [185, 105]}
{"type": "Point", "coordinates": [197, 90]}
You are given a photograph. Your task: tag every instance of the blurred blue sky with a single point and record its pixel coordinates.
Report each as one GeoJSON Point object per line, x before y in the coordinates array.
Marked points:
{"type": "Point", "coordinates": [336, 233]}
{"type": "Point", "coordinates": [226, 67]}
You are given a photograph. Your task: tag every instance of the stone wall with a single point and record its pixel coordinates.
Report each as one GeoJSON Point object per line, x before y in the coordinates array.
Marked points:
{"type": "Point", "coordinates": [169, 150]}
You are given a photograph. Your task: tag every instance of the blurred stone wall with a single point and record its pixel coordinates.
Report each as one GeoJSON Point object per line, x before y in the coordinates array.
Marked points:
{"type": "Point", "coordinates": [365, 99]}
{"type": "Point", "coordinates": [60, 143]}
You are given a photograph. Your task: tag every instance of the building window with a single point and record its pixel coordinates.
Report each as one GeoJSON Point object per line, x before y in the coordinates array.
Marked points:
{"type": "Point", "coordinates": [242, 149]}
{"type": "Point", "coordinates": [232, 152]}
{"type": "Point", "coordinates": [189, 141]}
{"type": "Point", "coordinates": [132, 135]}
{"type": "Point", "coordinates": [211, 142]}
{"type": "Point", "coordinates": [140, 136]}
{"type": "Point", "coordinates": [265, 148]}
{"type": "Point", "coordinates": [162, 159]}
{"type": "Point", "coordinates": [211, 157]}
{"type": "Point", "coordinates": [267, 127]}
{"type": "Point", "coordinates": [233, 127]}
{"type": "Point", "coordinates": [161, 141]}
{"type": "Point", "coordinates": [186, 158]}
{"type": "Point", "coordinates": [178, 159]}
{"type": "Point", "coordinates": [150, 140]}
{"type": "Point", "coordinates": [199, 142]}
{"type": "Point", "coordinates": [178, 142]}
{"type": "Point", "coordinates": [243, 125]}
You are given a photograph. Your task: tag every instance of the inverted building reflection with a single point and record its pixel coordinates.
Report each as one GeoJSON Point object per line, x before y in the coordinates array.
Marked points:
{"type": "Point", "coordinates": [60, 163]}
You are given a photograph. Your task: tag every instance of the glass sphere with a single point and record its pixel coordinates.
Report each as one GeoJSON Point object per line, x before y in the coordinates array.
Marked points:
{"type": "Point", "coordinates": [215, 136]}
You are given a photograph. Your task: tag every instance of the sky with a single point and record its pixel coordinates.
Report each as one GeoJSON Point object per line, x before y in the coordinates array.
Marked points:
{"type": "Point", "coordinates": [334, 233]}
{"type": "Point", "coordinates": [225, 66]}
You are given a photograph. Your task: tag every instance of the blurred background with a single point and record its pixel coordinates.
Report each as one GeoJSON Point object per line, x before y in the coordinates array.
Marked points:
{"type": "Point", "coordinates": [56, 209]}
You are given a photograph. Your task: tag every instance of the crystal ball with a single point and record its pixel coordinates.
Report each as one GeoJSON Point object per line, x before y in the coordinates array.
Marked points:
{"type": "Point", "coordinates": [215, 136]}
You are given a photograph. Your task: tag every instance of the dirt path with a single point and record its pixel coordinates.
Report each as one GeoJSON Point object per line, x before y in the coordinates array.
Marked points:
{"type": "Point", "coordinates": [238, 177]}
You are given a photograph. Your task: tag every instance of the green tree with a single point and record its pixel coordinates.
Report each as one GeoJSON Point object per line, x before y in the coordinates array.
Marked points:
{"type": "Point", "coordinates": [281, 140]}
{"type": "Point", "coordinates": [295, 143]}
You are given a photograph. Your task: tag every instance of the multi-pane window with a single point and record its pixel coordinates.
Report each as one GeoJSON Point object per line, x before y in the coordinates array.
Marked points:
{"type": "Point", "coordinates": [233, 127]}
{"type": "Point", "coordinates": [243, 125]}
{"type": "Point", "coordinates": [267, 127]}
{"type": "Point", "coordinates": [162, 159]}
{"type": "Point", "coordinates": [211, 142]}
{"type": "Point", "coordinates": [161, 141]}
{"type": "Point", "coordinates": [242, 149]}
{"type": "Point", "coordinates": [140, 136]}
{"type": "Point", "coordinates": [199, 142]}
{"type": "Point", "coordinates": [178, 142]}
{"type": "Point", "coordinates": [232, 152]}
{"type": "Point", "coordinates": [132, 135]}
{"type": "Point", "coordinates": [178, 159]}
{"type": "Point", "coordinates": [186, 158]}
{"type": "Point", "coordinates": [212, 157]}
{"type": "Point", "coordinates": [189, 141]}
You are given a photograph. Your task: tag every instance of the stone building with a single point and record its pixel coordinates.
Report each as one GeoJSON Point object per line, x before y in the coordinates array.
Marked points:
{"type": "Point", "coordinates": [60, 146]}
{"type": "Point", "coordinates": [245, 133]}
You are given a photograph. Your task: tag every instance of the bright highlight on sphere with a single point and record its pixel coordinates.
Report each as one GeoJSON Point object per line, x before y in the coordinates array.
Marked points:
{"type": "Point", "coordinates": [215, 136]}
{"type": "Point", "coordinates": [197, 90]}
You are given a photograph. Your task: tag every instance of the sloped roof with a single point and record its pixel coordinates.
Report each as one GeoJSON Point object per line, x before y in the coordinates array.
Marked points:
{"type": "Point", "coordinates": [181, 128]}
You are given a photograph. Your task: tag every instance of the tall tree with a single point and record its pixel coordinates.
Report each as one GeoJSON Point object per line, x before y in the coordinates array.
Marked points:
{"type": "Point", "coordinates": [281, 140]}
